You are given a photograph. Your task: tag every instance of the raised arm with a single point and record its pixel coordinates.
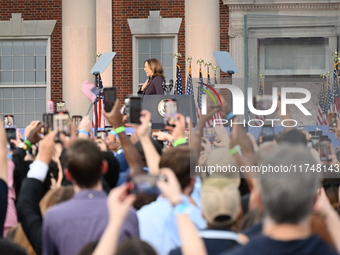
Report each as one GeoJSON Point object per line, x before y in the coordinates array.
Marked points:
{"type": "Point", "coordinates": [118, 203]}
{"type": "Point", "coordinates": [132, 156]}
{"type": "Point", "coordinates": [191, 243]}
{"type": "Point", "coordinates": [332, 219]}
{"type": "Point", "coordinates": [32, 190]}
{"type": "Point", "coordinates": [151, 155]}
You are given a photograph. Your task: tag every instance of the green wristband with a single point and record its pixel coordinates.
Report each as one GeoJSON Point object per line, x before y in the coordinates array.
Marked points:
{"type": "Point", "coordinates": [236, 149]}
{"type": "Point", "coordinates": [120, 129]}
{"type": "Point", "coordinates": [29, 144]}
{"type": "Point", "coordinates": [180, 141]}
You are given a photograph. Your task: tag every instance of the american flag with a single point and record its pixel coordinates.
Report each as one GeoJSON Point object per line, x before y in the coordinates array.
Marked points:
{"type": "Point", "coordinates": [98, 108]}
{"type": "Point", "coordinates": [322, 109]}
{"type": "Point", "coordinates": [329, 96]}
{"type": "Point", "coordinates": [200, 89]}
{"type": "Point", "coordinates": [178, 87]}
{"type": "Point", "coordinates": [336, 93]}
{"type": "Point", "coordinates": [259, 119]}
{"type": "Point", "coordinates": [190, 91]}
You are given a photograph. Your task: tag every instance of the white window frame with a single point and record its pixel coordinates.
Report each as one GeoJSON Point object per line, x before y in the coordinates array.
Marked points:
{"type": "Point", "coordinates": [135, 57]}
{"type": "Point", "coordinates": [291, 71]}
{"type": "Point", "coordinates": [152, 27]}
{"type": "Point", "coordinates": [48, 64]}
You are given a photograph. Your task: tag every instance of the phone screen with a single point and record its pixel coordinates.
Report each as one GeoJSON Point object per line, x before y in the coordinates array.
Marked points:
{"type": "Point", "coordinates": [61, 123]}
{"type": "Point", "coordinates": [9, 120]}
{"type": "Point", "coordinates": [76, 119]}
{"type": "Point", "coordinates": [61, 106]}
{"type": "Point", "coordinates": [109, 98]}
{"type": "Point", "coordinates": [135, 107]}
{"type": "Point", "coordinates": [325, 150]}
{"type": "Point", "coordinates": [268, 133]}
{"type": "Point", "coordinates": [170, 111]}
{"type": "Point", "coordinates": [332, 120]}
{"type": "Point", "coordinates": [48, 121]}
{"type": "Point", "coordinates": [145, 184]}
{"type": "Point", "coordinates": [102, 134]}
{"type": "Point", "coordinates": [11, 133]}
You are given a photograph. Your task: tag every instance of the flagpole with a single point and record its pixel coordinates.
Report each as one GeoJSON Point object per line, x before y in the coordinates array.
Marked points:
{"type": "Point", "coordinates": [178, 90]}
{"type": "Point", "coordinates": [95, 103]}
{"type": "Point", "coordinates": [200, 91]}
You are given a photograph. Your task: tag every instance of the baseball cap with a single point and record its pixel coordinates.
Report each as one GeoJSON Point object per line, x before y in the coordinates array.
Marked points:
{"type": "Point", "coordinates": [222, 161]}
{"type": "Point", "coordinates": [221, 201]}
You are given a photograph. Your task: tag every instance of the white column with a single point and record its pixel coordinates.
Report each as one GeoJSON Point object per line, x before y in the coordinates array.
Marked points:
{"type": "Point", "coordinates": [79, 51]}
{"type": "Point", "coordinates": [104, 35]}
{"type": "Point", "coordinates": [202, 32]}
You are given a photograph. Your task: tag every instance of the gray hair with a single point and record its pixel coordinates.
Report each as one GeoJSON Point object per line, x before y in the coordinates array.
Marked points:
{"type": "Point", "coordinates": [289, 199]}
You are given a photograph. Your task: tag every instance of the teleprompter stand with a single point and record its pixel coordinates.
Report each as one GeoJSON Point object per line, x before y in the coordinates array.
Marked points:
{"type": "Point", "coordinates": [98, 68]}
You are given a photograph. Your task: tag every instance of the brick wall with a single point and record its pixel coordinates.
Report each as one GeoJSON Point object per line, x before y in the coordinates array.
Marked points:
{"type": "Point", "coordinates": [224, 43]}
{"type": "Point", "coordinates": [42, 10]}
{"type": "Point", "coordinates": [122, 38]}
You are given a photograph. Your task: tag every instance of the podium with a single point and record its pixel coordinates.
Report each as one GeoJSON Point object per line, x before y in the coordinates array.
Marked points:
{"type": "Point", "coordinates": [155, 105]}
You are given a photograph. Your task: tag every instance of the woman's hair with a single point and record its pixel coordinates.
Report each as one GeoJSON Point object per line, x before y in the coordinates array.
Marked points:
{"type": "Point", "coordinates": [135, 247]}
{"type": "Point", "coordinates": [56, 196]}
{"type": "Point", "coordinates": [156, 67]}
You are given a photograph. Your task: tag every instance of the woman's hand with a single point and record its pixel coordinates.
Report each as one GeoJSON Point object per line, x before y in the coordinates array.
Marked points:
{"type": "Point", "coordinates": [145, 85]}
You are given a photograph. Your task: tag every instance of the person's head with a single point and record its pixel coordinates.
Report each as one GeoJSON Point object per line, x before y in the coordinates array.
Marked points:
{"type": "Point", "coordinates": [139, 148]}
{"type": "Point", "coordinates": [153, 67]}
{"type": "Point", "coordinates": [8, 247]}
{"type": "Point", "coordinates": [135, 247]}
{"type": "Point", "coordinates": [89, 248]}
{"type": "Point", "coordinates": [294, 136]}
{"type": "Point", "coordinates": [84, 163]}
{"type": "Point", "coordinates": [221, 202]}
{"type": "Point", "coordinates": [289, 198]}
{"type": "Point", "coordinates": [331, 186]}
{"type": "Point", "coordinates": [179, 160]}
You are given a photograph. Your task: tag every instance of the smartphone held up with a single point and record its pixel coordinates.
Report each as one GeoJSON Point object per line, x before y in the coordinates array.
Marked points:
{"type": "Point", "coordinates": [109, 98]}
{"type": "Point", "coordinates": [133, 107]}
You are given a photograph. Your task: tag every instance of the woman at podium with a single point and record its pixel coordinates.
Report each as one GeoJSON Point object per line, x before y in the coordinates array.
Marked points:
{"type": "Point", "coordinates": [154, 71]}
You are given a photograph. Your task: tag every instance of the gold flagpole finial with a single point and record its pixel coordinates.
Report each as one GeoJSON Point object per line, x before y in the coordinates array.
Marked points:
{"type": "Point", "coordinates": [98, 55]}
{"type": "Point", "coordinates": [336, 56]}
{"type": "Point", "coordinates": [189, 59]}
{"type": "Point", "coordinates": [261, 75]}
{"type": "Point", "coordinates": [177, 55]}
{"type": "Point", "coordinates": [200, 61]}
{"type": "Point", "coordinates": [208, 64]}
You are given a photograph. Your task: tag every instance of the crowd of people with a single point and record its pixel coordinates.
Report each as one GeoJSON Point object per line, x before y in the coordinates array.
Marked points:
{"type": "Point", "coordinates": [141, 194]}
